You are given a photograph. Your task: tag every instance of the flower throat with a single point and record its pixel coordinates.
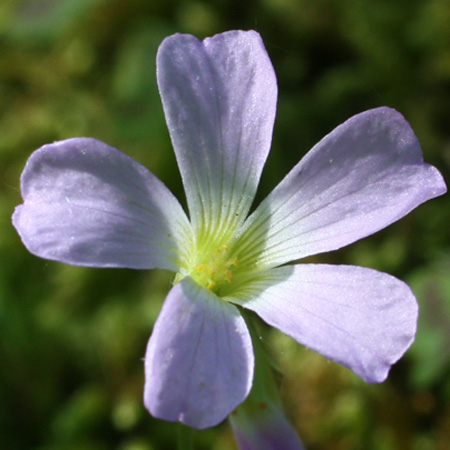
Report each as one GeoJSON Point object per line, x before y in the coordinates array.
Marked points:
{"type": "Point", "coordinates": [216, 271]}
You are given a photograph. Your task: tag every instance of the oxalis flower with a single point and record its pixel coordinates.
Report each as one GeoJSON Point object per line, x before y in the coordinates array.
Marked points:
{"type": "Point", "coordinates": [86, 203]}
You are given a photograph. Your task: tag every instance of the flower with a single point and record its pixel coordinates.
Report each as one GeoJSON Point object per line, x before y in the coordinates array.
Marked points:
{"type": "Point", "coordinates": [86, 203]}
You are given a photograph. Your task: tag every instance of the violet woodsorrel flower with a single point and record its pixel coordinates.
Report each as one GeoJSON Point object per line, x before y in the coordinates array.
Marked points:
{"type": "Point", "coordinates": [86, 203]}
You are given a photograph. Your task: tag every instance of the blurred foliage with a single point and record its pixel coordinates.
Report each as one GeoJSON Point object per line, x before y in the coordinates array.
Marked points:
{"type": "Point", "coordinates": [72, 339]}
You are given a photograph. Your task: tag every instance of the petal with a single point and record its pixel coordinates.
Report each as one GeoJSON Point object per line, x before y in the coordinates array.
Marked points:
{"type": "Point", "coordinates": [360, 318]}
{"type": "Point", "coordinates": [360, 178]}
{"type": "Point", "coordinates": [86, 203]}
{"type": "Point", "coordinates": [199, 361]}
{"type": "Point", "coordinates": [219, 98]}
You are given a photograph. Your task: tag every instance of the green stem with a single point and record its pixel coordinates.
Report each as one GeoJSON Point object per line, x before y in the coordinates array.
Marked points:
{"type": "Point", "coordinates": [185, 437]}
{"type": "Point", "coordinates": [264, 384]}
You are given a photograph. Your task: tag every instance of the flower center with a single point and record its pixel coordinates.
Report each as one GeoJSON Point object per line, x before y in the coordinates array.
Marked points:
{"type": "Point", "coordinates": [216, 271]}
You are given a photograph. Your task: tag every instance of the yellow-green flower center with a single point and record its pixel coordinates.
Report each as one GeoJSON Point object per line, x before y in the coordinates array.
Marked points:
{"type": "Point", "coordinates": [215, 271]}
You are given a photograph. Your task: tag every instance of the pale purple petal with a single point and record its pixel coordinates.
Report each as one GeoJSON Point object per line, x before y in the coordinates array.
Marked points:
{"type": "Point", "coordinates": [86, 203]}
{"type": "Point", "coordinates": [360, 178]}
{"type": "Point", "coordinates": [219, 98]}
{"type": "Point", "coordinates": [199, 361]}
{"type": "Point", "coordinates": [265, 429]}
{"type": "Point", "coordinates": [358, 317]}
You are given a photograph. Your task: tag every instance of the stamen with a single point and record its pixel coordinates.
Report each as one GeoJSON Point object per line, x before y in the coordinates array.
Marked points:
{"type": "Point", "coordinates": [228, 276]}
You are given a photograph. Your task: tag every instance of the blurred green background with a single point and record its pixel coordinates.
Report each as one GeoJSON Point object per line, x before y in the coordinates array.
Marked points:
{"type": "Point", "coordinates": [72, 339]}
